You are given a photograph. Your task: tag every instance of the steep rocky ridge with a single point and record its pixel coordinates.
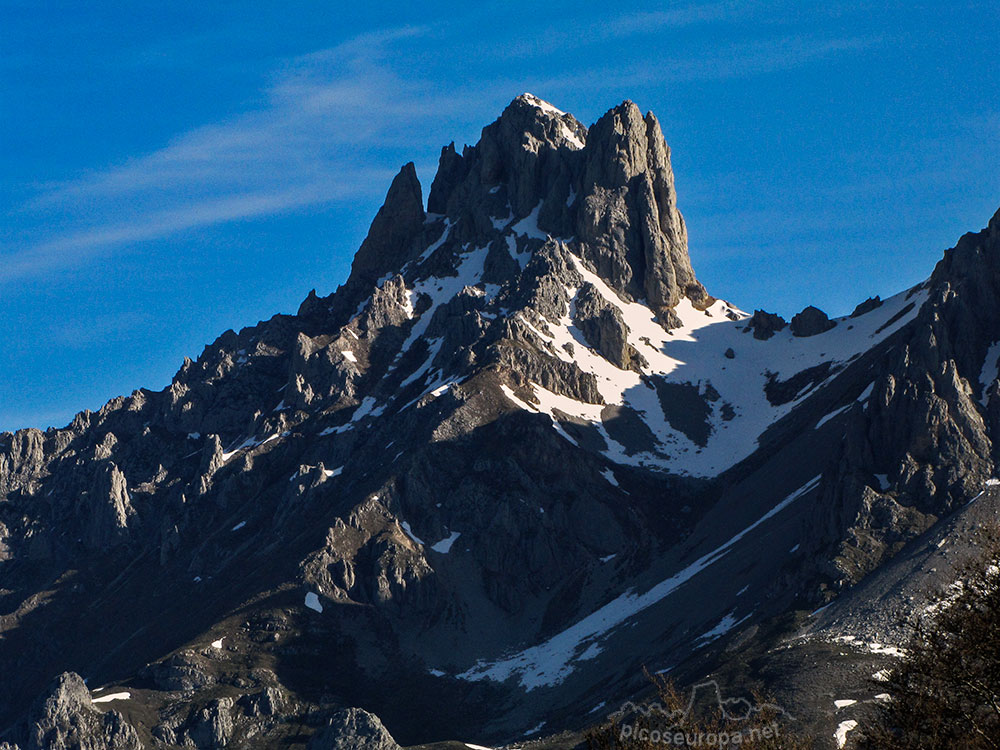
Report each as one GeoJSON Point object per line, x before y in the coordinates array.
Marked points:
{"type": "Point", "coordinates": [925, 443]}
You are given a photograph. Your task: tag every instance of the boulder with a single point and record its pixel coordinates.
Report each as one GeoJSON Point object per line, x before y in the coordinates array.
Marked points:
{"type": "Point", "coordinates": [810, 322]}
{"type": "Point", "coordinates": [764, 324]}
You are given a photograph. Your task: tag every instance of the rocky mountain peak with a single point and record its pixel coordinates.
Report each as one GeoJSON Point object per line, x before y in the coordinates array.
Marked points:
{"type": "Point", "coordinates": [608, 191]}
{"type": "Point", "coordinates": [537, 175]}
{"type": "Point", "coordinates": [628, 174]}
{"type": "Point", "coordinates": [393, 233]}
{"type": "Point", "coordinates": [521, 424]}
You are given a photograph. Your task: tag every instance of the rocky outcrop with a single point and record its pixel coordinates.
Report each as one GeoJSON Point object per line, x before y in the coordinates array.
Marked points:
{"type": "Point", "coordinates": [392, 237]}
{"type": "Point", "coordinates": [764, 324]}
{"type": "Point", "coordinates": [184, 672]}
{"type": "Point", "coordinates": [353, 729]}
{"type": "Point", "coordinates": [65, 719]}
{"type": "Point", "coordinates": [872, 303]}
{"type": "Point", "coordinates": [271, 701]}
{"type": "Point", "coordinates": [810, 322]}
{"type": "Point", "coordinates": [925, 443]}
{"type": "Point", "coordinates": [628, 220]}
{"type": "Point", "coordinates": [212, 727]}
{"type": "Point", "coordinates": [370, 558]}
{"type": "Point", "coordinates": [604, 328]}
{"type": "Point", "coordinates": [110, 510]}
{"type": "Point", "coordinates": [611, 187]}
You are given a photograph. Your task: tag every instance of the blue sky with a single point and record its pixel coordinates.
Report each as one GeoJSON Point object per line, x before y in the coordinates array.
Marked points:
{"type": "Point", "coordinates": [168, 171]}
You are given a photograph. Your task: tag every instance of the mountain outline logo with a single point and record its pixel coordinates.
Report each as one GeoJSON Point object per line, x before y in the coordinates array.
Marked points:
{"type": "Point", "coordinates": [703, 698]}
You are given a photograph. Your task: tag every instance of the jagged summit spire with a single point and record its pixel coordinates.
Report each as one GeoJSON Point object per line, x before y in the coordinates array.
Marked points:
{"type": "Point", "coordinates": [610, 187]}
{"type": "Point", "coordinates": [606, 192]}
{"type": "Point", "coordinates": [394, 229]}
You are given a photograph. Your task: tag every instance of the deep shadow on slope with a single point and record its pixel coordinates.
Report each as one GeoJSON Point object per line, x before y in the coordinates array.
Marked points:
{"type": "Point", "coordinates": [112, 614]}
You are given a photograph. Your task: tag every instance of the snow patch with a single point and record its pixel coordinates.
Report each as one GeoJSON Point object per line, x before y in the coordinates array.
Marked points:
{"type": "Point", "coordinates": [842, 729]}
{"type": "Point", "coordinates": [528, 226]}
{"type": "Point", "coordinates": [313, 603]}
{"type": "Point", "coordinates": [866, 393]}
{"type": "Point", "coordinates": [726, 624]}
{"type": "Point", "coordinates": [469, 272]}
{"type": "Point", "coordinates": [239, 526]}
{"type": "Point", "coordinates": [832, 415]}
{"type": "Point", "coordinates": [878, 648]}
{"type": "Point", "coordinates": [433, 347]}
{"type": "Point", "coordinates": [570, 136]}
{"type": "Point", "coordinates": [991, 369]}
{"type": "Point", "coordinates": [123, 696]}
{"type": "Point", "coordinates": [444, 546]}
{"type": "Point", "coordinates": [817, 611]}
{"type": "Point", "coordinates": [218, 644]}
{"type": "Point", "coordinates": [250, 442]}
{"type": "Point", "coordinates": [499, 223]}
{"type": "Point", "coordinates": [535, 729]}
{"type": "Point", "coordinates": [437, 243]}
{"type": "Point", "coordinates": [548, 109]}
{"type": "Point", "coordinates": [734, 421]}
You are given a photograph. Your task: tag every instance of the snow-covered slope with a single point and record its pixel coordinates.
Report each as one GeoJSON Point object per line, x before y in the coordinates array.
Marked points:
{"type": "Point", "coordinates": [723, 370]}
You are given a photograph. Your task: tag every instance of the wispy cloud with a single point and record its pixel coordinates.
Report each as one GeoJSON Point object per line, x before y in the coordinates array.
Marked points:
{"type": "Point", "coordinates": [308, 143]}
{"type": "Point", "coordinates": [677, 18]}
{"type": "Point", "coordinates": [333, 125]}
{"type": "Point", "coordinates": [711, 63]}
{"type": "Point", "coordinates": [587, 31]}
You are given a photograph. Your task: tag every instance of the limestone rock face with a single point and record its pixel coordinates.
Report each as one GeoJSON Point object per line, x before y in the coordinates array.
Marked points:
{"type": "Point", "coordinates": [66, 720]}
{"type": "Point", "coordinates": [212, 727]}
{"type": "Point", "coordinates": [629, 219]}
{"type": "Point", "coordinates": [926, 441]}
{"type": "Point", "coordinates": [397, 225]}
{"type": "Point", "coordinates": [604, 328]}
{"type": "Point", "coordinates": [611, 187]}
{"type": "Point", "coordinates": [109, 516]}
{"type": "Point", "coordinates": [353, 729]}
{"type": "Point", "coordinates": [872, 303]}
